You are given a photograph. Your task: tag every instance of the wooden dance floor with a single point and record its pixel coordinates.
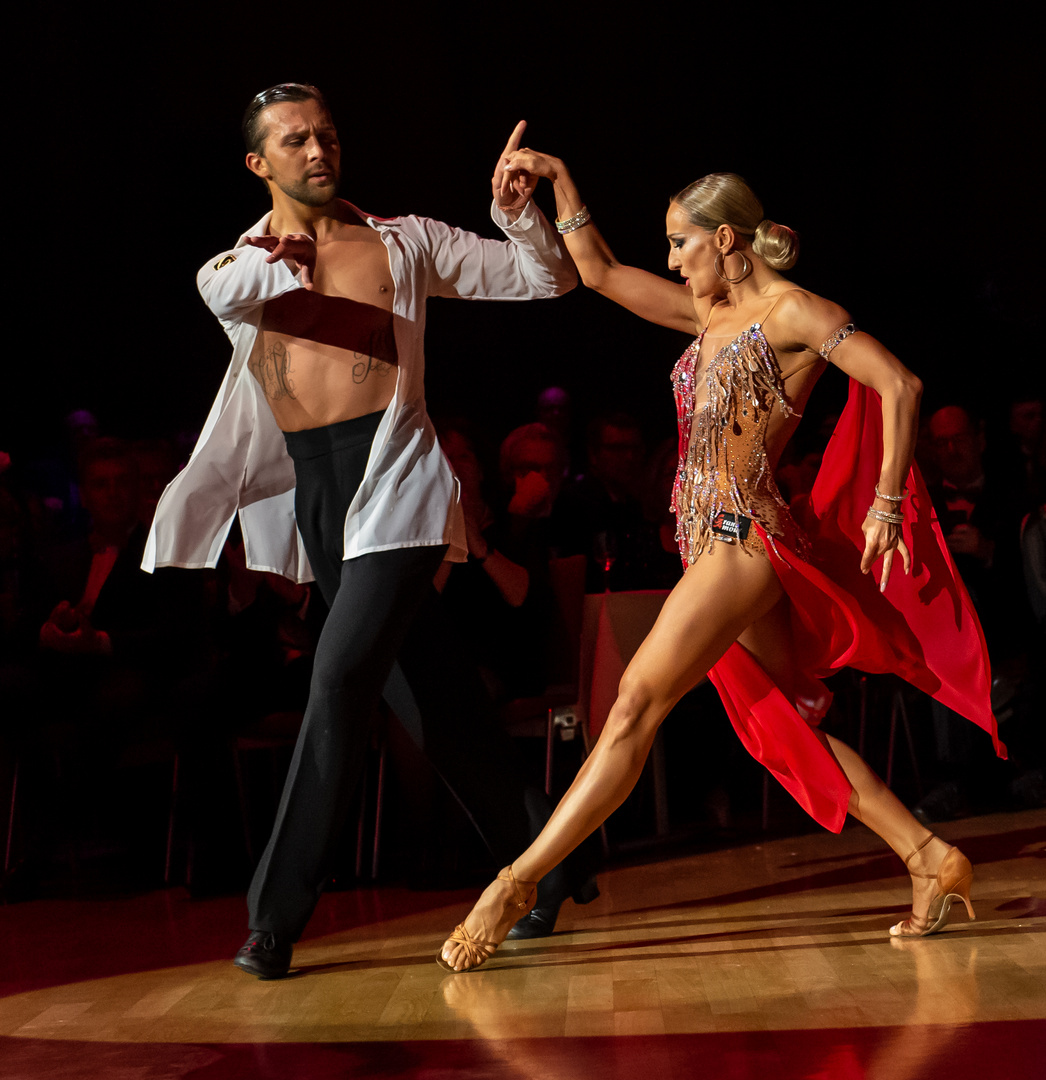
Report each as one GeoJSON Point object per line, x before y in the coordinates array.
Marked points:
{"type": "Point", "coordinates": [768, 961]}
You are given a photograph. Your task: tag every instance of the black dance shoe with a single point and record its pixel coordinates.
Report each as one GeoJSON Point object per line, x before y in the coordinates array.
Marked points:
{"type": "Point", "coordinates": [541, 921]}
{"type": "Point", "coordinates": [265, 954]}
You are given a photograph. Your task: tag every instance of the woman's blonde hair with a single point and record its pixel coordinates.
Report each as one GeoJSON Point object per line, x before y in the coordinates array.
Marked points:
{"type": "Point", "coordinates": [725, 199]}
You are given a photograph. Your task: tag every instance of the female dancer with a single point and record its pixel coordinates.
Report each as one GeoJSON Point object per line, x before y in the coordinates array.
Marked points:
{"type": "Point", "coordinates": [752, 609]}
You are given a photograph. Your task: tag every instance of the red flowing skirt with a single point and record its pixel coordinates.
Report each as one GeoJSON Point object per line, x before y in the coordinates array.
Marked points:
{"type": "Point", "coordinates": [923, 628]}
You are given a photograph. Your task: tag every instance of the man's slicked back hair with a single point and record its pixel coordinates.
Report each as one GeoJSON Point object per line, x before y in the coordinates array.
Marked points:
{"type": "Point", "coordinates": [254, 132]}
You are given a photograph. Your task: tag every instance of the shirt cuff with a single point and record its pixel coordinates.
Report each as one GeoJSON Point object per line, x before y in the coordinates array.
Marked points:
{"type": "Point", "coordinates": [528, 217]}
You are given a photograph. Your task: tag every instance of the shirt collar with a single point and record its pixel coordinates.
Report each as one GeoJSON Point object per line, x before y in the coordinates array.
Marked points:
{"type": "Point", "coordinates": [260, 227]}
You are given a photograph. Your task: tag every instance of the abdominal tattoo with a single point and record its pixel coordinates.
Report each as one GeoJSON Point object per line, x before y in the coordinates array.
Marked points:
{"type": "Point", "coordinates": [273, 371]}
{"type": "Point", "coordinates": [365, 365]}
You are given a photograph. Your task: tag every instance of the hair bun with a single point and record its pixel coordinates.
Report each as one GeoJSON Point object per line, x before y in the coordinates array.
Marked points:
{"type": "Point", "coordinates": [777, 245]}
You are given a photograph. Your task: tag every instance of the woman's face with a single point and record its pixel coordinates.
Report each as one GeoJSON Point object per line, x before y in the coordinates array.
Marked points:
{"type": "Point", "coordinates": [691, 252]}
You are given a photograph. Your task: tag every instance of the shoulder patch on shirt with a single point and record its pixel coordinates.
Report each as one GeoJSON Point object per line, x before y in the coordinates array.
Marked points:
{"type": "Point", "coordinates": [224, 262]}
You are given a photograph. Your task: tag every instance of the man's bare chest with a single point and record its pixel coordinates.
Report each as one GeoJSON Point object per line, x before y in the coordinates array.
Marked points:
{"type": "Point", "coordinates": [355, 265]}
{"type": "Point", "coordinates": [350, 304]}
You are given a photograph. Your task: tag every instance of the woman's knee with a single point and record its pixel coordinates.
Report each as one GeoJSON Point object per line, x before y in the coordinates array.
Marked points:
{"type": "Point", "coordinates": [636, 713]}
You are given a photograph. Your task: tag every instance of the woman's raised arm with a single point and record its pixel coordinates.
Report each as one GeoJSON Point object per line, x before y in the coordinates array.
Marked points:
{"type": "Point", "coordinates": [647, 295]}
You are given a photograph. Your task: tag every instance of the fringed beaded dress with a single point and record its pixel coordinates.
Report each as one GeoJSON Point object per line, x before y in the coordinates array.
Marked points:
{"type": "Point", "coordinates": [923, 628]}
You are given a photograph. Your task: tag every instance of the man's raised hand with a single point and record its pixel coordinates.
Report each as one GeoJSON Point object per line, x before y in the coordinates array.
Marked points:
{"type": "Point", "coordinates": [299, 248]}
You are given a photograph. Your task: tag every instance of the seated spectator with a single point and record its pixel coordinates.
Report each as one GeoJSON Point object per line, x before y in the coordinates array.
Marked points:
{"type": "Point", "coordinates": [663, 566]}
{"type": "Point", "coordinates": [1026, 435]}
{"type": "Point", "coordinates": [556, 411]}
{"type": "Point", "coordinates": [979, 514]}
{"type": "Point", "coordinates": [51, 477]}
{"type": "Point", "coordinates": [20, 586]}
{"type": "Point", "coordinates": [600, 516]}
{"type": "Point", "coordinates": [109, 491]}
{"type": "Point", "coordinates": [270, 629]}
{"type": "Point", "coordinates": [500, 600]}
{"type": "Point", "coordinates": [157, 466]}
{"type": "Point", "coordinates": [532, 466]}
{"type": "Point", "coordinates": [123, 655]}
{"type": "Point", "coordinates": [799, 465]}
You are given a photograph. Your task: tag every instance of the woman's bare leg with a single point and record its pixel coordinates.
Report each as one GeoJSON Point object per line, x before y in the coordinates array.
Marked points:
{"type": "Point", "coordinates": [717, 598]}
{"type": "Point", "coordinates": [872, 802]}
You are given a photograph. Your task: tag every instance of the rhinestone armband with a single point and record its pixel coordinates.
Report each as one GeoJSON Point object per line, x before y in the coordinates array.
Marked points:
{"type": "Point", "coordinates": [840, 335]}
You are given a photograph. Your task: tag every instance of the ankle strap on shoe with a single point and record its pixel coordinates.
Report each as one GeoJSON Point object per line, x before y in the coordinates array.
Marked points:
{"type": "Point", "coordinates": [521, 900]}
{"type": "Point", "coordinates": [929, 837]}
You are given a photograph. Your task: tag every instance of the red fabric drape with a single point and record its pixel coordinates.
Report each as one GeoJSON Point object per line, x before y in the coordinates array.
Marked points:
{"type": "Point", "coordinates": [923, 628]}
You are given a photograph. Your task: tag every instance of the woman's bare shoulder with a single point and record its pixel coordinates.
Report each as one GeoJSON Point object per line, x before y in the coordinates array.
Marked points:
{"type": "Point", "coordinates": [804, 318]}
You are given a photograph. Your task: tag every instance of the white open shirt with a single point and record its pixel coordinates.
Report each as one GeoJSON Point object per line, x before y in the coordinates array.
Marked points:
{"type": "Point", "coordinates": [409, 495]}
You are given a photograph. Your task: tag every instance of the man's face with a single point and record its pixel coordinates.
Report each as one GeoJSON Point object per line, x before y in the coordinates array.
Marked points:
{"type": "Point", "coordinates": [301, 154]}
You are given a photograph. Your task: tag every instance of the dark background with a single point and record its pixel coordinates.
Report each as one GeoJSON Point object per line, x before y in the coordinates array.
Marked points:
{"type": "Point", "coordinates": [905, 149]}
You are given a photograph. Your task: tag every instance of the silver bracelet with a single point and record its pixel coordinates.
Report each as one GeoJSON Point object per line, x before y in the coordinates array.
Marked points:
{"type": "Point", "coordinates": [881, 515]}
{"type": "Point", "coordinates": [582, 217]}
{"type": "Point", "coordinates": [891, 498]}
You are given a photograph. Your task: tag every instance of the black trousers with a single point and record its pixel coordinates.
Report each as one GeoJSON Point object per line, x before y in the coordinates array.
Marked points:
{"type": "Point", "coordinates": [384, 636]}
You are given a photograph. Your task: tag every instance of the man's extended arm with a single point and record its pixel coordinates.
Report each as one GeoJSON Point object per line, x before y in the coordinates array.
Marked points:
{"type": "Point", "coordinates": [533, 264]}
{"type": "Point", "coordinates": [237, 281]}
{"type": "Point", "coordinates": [530, 265]}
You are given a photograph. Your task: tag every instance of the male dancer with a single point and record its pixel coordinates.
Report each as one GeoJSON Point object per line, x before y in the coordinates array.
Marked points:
{"type": "Point", "coordinates": [325, 307]}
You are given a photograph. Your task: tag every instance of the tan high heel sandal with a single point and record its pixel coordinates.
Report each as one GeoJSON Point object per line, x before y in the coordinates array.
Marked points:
{"type": "Point", "coordinates": [954, 877]}
{"type": "Point", "coordinates": [477, 952]}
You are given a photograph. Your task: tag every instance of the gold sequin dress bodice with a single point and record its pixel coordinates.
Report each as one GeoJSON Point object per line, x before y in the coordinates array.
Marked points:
{"type": "Point", "coordinates": [724, 410]}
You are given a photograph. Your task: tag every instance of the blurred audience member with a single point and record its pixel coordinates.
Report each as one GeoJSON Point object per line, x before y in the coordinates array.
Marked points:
{"type": "Point", "coordinates": [661, 558]}
{"type": "Point", "coordinates": [980, 517]}
{"type": "Point", "coordinates": [500, 600]}
{"type": "Point", "coordinates": [979, 510]}
{"type": "Point", "coordinates": [1027, 433]}
{"type": "Point", "coordinates": [532, 465]}
{"type": "Point", "coordinates": [1033, 553]}
{"type": "Point", "coordinates": [600, 516]}
{"type": "Point", "coordinates": [52, 477]}
{"type": "Point", "coordinates": [109, 491]}
{"type": "Point", "coordinates": [20, 585]}
{"type": "Point", "coordinates": [157, 465]}
{"type": "Point", "coordinates": [270, 634]}
{"type": "Point", "coordinates": [556, 411]}
{"type": "Point", "coordinates": [124, 656]}
{"type": "Point", "coordinates": [797, 470]}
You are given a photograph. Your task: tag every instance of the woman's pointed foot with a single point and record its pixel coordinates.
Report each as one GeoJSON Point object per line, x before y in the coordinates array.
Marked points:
{"type": "Point", "coordinates": [940, 874]}
{"type": "Point", "coordinates": [474, 941]}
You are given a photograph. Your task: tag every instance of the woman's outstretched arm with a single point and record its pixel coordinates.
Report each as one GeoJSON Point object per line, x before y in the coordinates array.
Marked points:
{"type": "Point", "coordinates": [647, 295]}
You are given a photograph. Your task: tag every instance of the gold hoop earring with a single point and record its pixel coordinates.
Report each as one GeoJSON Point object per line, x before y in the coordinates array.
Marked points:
{"type": "Point", "coordinates": [720, 261]}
